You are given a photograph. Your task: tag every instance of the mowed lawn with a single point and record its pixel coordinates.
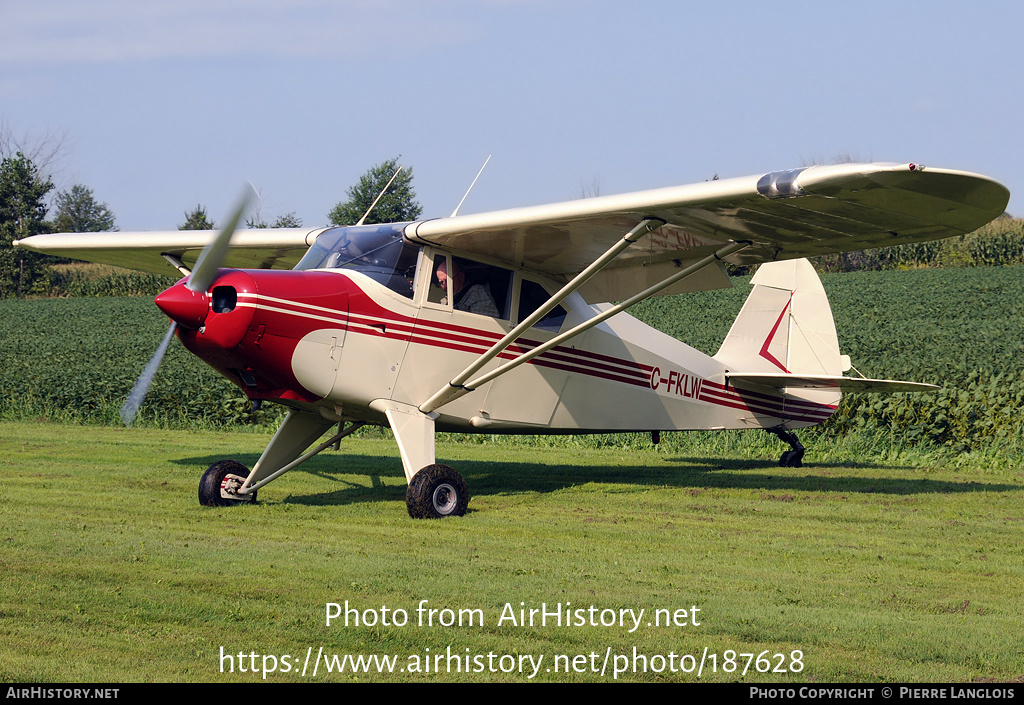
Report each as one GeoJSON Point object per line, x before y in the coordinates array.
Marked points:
{"type": "Point", "coordinates": [836, 571]}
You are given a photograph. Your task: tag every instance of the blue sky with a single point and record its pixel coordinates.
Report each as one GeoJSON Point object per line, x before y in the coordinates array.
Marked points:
{"type": "Point", "coordinates": [165, 105]}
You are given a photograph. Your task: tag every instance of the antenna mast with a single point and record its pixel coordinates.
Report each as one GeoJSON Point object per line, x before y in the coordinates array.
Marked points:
{"type": "Point", "coordinates": [383, 191]}
{"type": "Point", "coordinates": [456, 211]}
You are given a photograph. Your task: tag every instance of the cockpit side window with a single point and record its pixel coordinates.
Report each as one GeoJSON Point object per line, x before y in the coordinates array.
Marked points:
{"type": "Point", "coordinates": [473, 287]}
{"type": "Point", "coordinates": [438, 292]}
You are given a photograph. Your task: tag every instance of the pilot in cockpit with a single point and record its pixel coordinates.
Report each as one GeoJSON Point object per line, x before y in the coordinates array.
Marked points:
{"type": "Point", "coordinates": [472, 299]}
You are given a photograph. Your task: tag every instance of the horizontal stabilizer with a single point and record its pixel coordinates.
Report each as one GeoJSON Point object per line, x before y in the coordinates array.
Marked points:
{"type": "Point", "coordinates": [843, 384]}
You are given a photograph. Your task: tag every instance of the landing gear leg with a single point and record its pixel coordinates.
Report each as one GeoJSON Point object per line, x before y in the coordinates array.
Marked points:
{"type": "Point", "coordinates": [435, 491]}
{"type": "Point", "coordinates": [228, 482]}
{"type": "Point", "coordinates": [792, 458]}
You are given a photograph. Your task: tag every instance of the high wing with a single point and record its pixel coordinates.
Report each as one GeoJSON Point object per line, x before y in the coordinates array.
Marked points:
{"type": "Point", "coordinates": [785, 215]}
{"type": "Point", "coordinates": [144, 251]}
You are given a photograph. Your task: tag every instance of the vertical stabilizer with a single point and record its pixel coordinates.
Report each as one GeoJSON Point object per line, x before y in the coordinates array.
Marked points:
{"type": "Point", "coordinates": [786, 325]}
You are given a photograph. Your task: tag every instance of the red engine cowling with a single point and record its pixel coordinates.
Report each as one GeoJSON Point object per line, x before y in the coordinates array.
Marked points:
{"type": "Point", "coordinates": [246, 326]}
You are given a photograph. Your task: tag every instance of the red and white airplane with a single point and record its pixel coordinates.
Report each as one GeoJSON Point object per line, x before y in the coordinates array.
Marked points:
{"type": "Point", "coordinates": [498, 322]}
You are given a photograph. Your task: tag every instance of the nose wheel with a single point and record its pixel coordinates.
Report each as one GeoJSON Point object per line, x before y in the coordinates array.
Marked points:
{"type": "Point", "coordinates": [435, 492]}
{"type": "Point", "coordinates": [219, 485]}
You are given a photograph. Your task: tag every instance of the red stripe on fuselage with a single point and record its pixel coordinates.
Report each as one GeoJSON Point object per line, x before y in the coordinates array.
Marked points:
{"type": "Point", "coordinates": [323, 304]}
{"type": "Point", "coordinates": [757, 402]}
{"type": "Point", "coordinates": [374, 319]}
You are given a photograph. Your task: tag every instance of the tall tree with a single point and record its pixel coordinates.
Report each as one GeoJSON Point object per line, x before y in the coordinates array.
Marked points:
{"type": "Point", "coordinates": [288, 220]}
{"type": "Point", "coordinates": [22, 210]}
{"type": "Point", "coordinates": [397, 205]}
{"type": "Point", "coordinates": [45, 151]}
{"type": "Point", "coordinates": [79, 212]}
{"type": "Point", "coordinates": [196, 220]}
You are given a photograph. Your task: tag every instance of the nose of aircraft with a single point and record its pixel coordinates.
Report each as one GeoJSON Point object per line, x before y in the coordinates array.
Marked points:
{"type": "Point", "coordinates": [189, 308]}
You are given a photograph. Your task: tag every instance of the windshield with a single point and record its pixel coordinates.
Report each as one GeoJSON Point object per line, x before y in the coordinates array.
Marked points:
{"type": "Point", "coordinates": [377, 251]}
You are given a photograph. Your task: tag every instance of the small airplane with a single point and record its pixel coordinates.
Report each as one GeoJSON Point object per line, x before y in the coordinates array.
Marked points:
{"type": "Point", "coordinates": [500, 323]}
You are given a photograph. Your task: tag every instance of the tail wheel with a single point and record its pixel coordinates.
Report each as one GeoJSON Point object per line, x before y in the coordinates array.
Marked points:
{"type": "Point", "coordinates": [220, 484]}
{"type": "Point", "coordinates": [435, 492]}
{"type": "Point", "coordinates": [792, 459]}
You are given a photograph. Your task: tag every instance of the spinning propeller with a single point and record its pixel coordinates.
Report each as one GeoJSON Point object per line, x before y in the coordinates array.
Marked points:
{"type": "Point", "coordinates": [199, 281]}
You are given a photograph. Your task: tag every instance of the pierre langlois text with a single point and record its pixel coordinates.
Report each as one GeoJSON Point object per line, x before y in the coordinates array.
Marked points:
{"type": "Point", "coordinates": [559, 614]}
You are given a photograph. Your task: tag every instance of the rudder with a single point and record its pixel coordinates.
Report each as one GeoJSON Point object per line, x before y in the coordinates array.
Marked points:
{"type": "Point", "coordinates": [785, 326]}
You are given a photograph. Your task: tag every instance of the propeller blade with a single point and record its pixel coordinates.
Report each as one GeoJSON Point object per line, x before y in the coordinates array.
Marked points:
{"type": "Point", "coordinates": [131, 405]}
{"type": "Point", "coordinates": [213, 254]}
{"type": "Point", "coordinates": [202, 276]}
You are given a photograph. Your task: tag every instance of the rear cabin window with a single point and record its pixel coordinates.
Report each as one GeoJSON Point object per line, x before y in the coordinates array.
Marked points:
{"type": "Point", "coordinates": [531, 297]}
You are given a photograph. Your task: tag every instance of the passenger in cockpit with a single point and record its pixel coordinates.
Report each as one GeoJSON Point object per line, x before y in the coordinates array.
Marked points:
{"type": "Point", "coordinates": [472, 299]}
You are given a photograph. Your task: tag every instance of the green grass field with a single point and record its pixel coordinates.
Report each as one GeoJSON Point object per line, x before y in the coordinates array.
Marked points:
{"type": "Point", "coordinates": [873, 571]}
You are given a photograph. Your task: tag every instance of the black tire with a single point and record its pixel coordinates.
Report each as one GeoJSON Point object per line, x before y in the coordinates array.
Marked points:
{"type": "Point", "coordinates": [213, 479]}
{"type": "Point", "coordinates": [435, 492]}
{"type": "Point", "coordinates": [792, 459]}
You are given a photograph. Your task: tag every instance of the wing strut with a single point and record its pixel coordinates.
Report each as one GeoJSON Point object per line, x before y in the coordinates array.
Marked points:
{"type": "Point", "coordinates": [455, 388]}
{"type": "Point", "coordinates": [176, 263]}
{"type": "Point", "coordinates": [452, 392]}
{"type": "Point", "coordinates": [603, 316]}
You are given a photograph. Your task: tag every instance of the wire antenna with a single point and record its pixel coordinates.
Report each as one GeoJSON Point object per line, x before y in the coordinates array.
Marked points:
{"type": "Point", "coordinates": [379, 195]}
{"type": "Point", "coordinates": [456, 211]}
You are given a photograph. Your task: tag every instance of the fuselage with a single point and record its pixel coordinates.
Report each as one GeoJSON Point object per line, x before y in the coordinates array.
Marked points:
{"type": "Point", "coordinates": [339, 339]}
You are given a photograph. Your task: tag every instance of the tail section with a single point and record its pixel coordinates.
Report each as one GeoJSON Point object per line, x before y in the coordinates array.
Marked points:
{"type": "Point", "coordinates": [783, 347]}
{"type": "Point", "coordinates": [785, 327]}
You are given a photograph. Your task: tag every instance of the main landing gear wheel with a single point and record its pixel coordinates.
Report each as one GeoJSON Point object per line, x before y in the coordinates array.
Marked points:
{"type": "Point", "coordinates": [220, 483]}
{"type": "Point", "coordinates": [435, 492]}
